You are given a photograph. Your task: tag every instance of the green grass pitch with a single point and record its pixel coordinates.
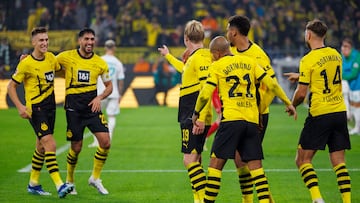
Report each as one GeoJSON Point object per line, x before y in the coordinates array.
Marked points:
{"type": "Point", "coordinates": [145, 163]}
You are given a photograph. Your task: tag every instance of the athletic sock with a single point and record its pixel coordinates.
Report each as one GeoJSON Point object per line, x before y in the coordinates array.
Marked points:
{"type": "Point", "coordinates": [197, 178]}
{"type": "Point", "coordinates": [37, 162]}
{"type": "Point", "coordinates": [261, 185]}
{"type": "Point", "coordinates": [71, 159]}
{"type": "Point", "coordinates": [344, 183]}
{"type": "Point", "coordinates": [53, 168]}
{"type": "Point", "coordinates": [99, 161]}
{"type": "Point", "coordinates": [311, 180]}
{"type": "Point", "coordinates": [212, 185]}
{"type": "Point", "coordinates": [246, 184]}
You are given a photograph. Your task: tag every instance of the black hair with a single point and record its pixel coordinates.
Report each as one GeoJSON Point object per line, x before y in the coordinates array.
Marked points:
{"type": "Point", "coordinates": [86, 30]}
{"type": "Point", "coordinates": [241, 23]}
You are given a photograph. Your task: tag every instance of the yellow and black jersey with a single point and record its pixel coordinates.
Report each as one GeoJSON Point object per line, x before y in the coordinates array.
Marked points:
{"type": "Point", "coordinates": [321, 69]}
{"type": "Point", "coordinates": [236, 78]}
{"type": "Point", "coordinates": [256, 52]}
{"type": "Point", "coordinates": [38, 78]}
{"type": "Point", "coordinates": [194, 74]}
{"type": "Point", "coordinates": [81, 76]}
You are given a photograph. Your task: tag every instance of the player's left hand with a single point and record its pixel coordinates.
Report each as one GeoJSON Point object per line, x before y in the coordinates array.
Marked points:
{"type": "Point", "coordinates": [198, 127]}
{"type": "Point", "coordinates": [95, 104]}
{"type": "Point", "coordinates": [291, 110]}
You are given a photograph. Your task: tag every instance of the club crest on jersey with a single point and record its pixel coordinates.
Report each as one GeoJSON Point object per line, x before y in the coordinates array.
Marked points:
{"type": "Point", "coordinates": [83, 76]}
{"type": "Point", "coordinates": [49, 76]}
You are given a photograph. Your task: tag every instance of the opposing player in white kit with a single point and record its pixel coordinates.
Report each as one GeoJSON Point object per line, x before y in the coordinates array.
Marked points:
{"type": "Point", "coordinates": [111, 103]}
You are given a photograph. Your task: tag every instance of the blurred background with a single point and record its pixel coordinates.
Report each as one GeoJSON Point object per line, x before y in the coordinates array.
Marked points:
{"type": "Point", "coordinates": [140, 26]}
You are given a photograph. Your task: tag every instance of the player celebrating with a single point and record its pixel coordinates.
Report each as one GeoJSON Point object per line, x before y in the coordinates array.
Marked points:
{"type": "Point", "coordinates": [37, 72]}
{"type": "Point", "coordinates": [236, 77]}
{"type": "Point", "coordinates": [194, 74]}
{"type": "Point", "coordinates": [320, 71]}
{"type": "Point", "coordinates": [83, 105]}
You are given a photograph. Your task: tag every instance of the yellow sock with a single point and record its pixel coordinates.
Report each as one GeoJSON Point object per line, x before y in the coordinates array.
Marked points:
{"type": "Point", "coordinates": [70, 166]}
{"type": "Point", "coordinates": [311, 180]}
{"type": "Point", "coordinates": [53, 168]}
{"type": "Point", "coordinates": [99, 161]}
{"type": "Point", "coordinates": [261, 185]}
{"type": "Point", "coordinates": [213, 184]}
{"type": "Point", "coordinates": [197, 178]}
{"type": "Point", "coordinates": [37, 162]}
{"type": "Point", "coordinates": [246, 184]}
{"type": "Point", "coordinates": [344, 182]}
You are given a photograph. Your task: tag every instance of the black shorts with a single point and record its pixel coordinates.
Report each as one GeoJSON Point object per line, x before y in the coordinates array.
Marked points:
{"type": "Point", "coordinates": [238, 135]}
{"type": "Point", "coordinates": [330, 129]}
{"type": "Point", "coordinates": [42, 121]}
{"type": "Point", "coordinates": [76, 123]}
{"type": "Point", "coordinates": [192, 143]}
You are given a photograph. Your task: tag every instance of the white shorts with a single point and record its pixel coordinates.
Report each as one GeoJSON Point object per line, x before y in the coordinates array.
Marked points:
{"type": "Point", "coordinates": [355, 96]}
{"type": "Point", "coordinates": [111, 106]}
{"type": "Point", "coordinates": [345, 87]}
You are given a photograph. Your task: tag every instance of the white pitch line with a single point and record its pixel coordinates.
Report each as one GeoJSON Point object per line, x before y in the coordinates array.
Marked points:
{"type": "Point", "coordinates": [276, 170]}
{"type": "Point", "coordinates": [59, 151]}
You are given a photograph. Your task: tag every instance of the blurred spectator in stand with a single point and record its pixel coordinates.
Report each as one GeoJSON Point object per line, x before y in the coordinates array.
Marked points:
{"type": "Point", "coordinates": [176, 36]}
{"type": "Point", "coordinates": [141, 66]}
{"type": "Point", "coordinates": [182, 15]}
{"type": "Point", "coordinates": [108, 28]}
{"type": "Point", "coordinates": [351, 82]}
{"type": "Point", "coordinates": [289, 48]}
{"type": "Point", "coordinates": [45, 19]}
{"type": "Point", "coordinates": [68, 21]}
{"type": "Point", "coordinates": [3, 19]}
{"type": "Point", "coordinates": [170, 20]}
{"type": "Point", "coordinates": [138, 27]}
{"type": "Point", "coordinates": [124, 20]}
{"type": "Point", "coordinates": [211, 27]}
{"type": "Point", "coordinates": [96, 26]}
{"type": "Point", "coordinates": [153, 30]}
{"type": "Point", "coordinates": [39, 10]}
{"type": "Point", "coordinates": [256, 32]}
{"type": "Point", "coordinates": [31, 21]}
{"type": "Point", "coordinates": [56, 12]}
{"type": "Point", "coordinates": [5, 54]}
{"type": "Point", "coordinates": [162, 78]}
{"type": "Point", "coordinates": [81, 15]}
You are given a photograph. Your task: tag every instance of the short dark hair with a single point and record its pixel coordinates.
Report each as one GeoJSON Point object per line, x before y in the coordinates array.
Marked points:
{"type": "Point", "coordinates": [38, 30]}
{"type": "Point", "coordinates": [241, 23]}
{"type": "Point", "coordinates": [318, 27]}
{"type": "Point", "coordinates": [86, 30]}
{"type": "Point", "coordinates": [348, 40]}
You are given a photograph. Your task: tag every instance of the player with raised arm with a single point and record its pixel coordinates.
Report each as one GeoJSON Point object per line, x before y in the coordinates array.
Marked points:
{"type": "Point", "coordinates": [236, 78]}
{"type": "Point", "coordinates": [194, 74]}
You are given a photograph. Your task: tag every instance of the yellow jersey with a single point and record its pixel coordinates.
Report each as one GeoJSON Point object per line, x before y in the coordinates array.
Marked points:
{"type": "Point", "coordinates": [236, 78]}
{"type": "Point", "coordinates": [321, 69]}
{"type": "Point", "coordinates": [81, 75]}
{"type": "Point", "coordinates": [256, 52]}
{"type": "Point", "coordinates": [194, 74]}
{"type": "Point", "coordinates": [38, 78]}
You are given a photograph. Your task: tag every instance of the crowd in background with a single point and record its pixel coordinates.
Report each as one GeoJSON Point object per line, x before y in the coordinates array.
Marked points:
{"type": "Point", "coordinates": [276, 25]}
